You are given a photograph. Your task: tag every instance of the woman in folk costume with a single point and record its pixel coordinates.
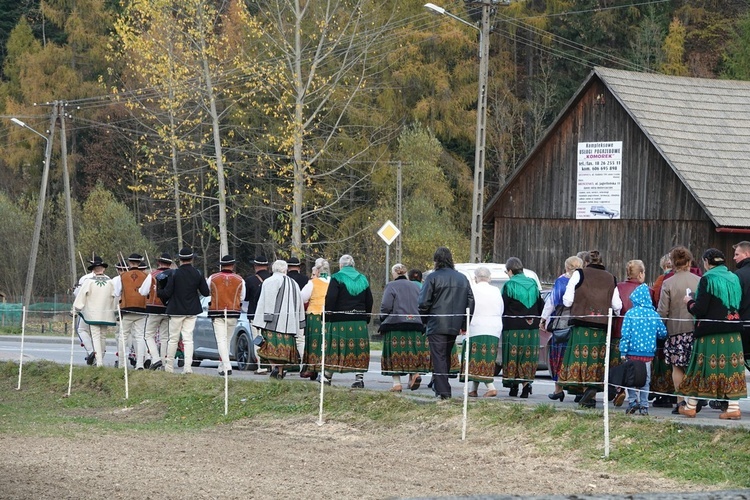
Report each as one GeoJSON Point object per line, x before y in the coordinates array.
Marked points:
{"type": "Point", "coordinates": [557, 348]}
{"type": "Point", "coordinates": [314, 297]}
{"type": "Point", "coordinates": [348, 307]}
{"type": "Point", "coordinates": [522, 312]}
{"type": "Point", "coordinates": [96, 304]}
{"type": "Point", "coordinates": [485, 329]}
{"type": "Point", "coordinates": [280, 315]}
{"type": "Point", "coordinates": [590, 293]}
{"type": "Point", "coordinates": [405, 347]}
{"type": "Point", "coordinates": [716, 369]}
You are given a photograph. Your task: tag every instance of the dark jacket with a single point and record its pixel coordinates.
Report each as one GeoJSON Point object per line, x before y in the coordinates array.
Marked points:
{"type": "Point", "coordinates": [743, 273]}
{"type": "Point", "coordinates": [183, 287]}
{"type": "Point", "coordinates": [300, 278]}
{"type": "Point", "coordinates": [517, 316]}
{"type": "Point", "coordinates": [443, 300]}
{"type": "Point", "coordinates": [399, 310]}
{"type": "Point", "coordinates": [339, 300]}
{"type": "Point", "coordinates": [252, 290]}
{"type": "Point", "coordinates": [709, 307]}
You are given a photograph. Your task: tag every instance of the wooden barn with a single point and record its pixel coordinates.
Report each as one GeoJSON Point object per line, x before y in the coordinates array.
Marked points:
{"type": "Point", "coordinates": [635, 164]}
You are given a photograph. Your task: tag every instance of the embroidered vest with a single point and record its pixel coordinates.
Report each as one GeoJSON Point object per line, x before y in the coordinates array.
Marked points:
{"type": "Point", "coordinates": [225, 294]}
{"type": "Point", "coordinates": [318, 297]}
{"type": "Point", "coordinates": [131, 300]}
{"type": "Point", "coordinates": [593, 298]}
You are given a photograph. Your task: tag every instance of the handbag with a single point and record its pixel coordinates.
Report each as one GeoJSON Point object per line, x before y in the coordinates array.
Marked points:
{"type": "Point", "coordinates": [558, 324]}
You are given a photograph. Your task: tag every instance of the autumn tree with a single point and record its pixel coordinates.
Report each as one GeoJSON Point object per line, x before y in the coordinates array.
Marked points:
{"type": "Point", "coordinates": [674, 50]}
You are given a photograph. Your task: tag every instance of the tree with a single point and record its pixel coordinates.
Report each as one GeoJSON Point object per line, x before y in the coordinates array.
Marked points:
{"type": "Point", "coordinates": [737, 56]}
{"type": "Point", "coordinates": [109, 229]}
{"type": "Point", "coordinates": [16, 226]}
{"type": "Point", "coordinates": [674, 50]}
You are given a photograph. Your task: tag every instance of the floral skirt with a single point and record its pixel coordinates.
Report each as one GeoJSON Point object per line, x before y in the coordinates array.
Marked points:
{"type": "Point", "coordinates": [716, 369]}
{"type": "Point", "coordinates": [556, 353]}
{"type": "Point", "coordinates": [583, 363]}
{"type": "Point", "coordinates": [481, 358]}
{"type": "Point", "coordinates": [678, 348]}
{"type": "Point", "coordinates": [347, 346]}
{"type": "Point", "coordinates": [661, 372]}
{"type": "Point", "coordinates": [278, 348]}
{"type": "Point", "coordinates": [313, 339]}
{"type": "Point", "coordinates": [520, 356]}
{"type": "Point", "coordinates": [614, 352]}
{"type": "Point", "coordinates": [405, 352]}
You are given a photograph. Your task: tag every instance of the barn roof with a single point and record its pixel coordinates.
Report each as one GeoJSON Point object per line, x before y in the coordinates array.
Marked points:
{"type": "Point", "coordinates": [700, 126]}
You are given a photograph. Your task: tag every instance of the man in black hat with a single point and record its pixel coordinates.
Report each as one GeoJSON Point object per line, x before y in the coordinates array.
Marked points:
{"type": "Point", "coordinates": [183, 290]}
{"type": "Point", "coordinates": [133, 308]}
{"type": "Point", "coordinates": [252, 287]}
{"type": "Point", "coordinates": [227, 293]}
{"type": "Point", "coordinates": [96, 304]}
{"type": "Point", "coordinates": [157, 321]}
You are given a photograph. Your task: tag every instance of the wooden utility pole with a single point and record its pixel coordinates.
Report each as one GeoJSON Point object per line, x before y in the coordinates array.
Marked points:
{"type": "Point", "coordinates": [68, 207]}
{"type": "Point", "coordinates": [40, 209]}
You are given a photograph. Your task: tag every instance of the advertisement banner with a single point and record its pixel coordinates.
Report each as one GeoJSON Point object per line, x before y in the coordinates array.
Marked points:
{"type": "Point", "coordinates": [599, 180]}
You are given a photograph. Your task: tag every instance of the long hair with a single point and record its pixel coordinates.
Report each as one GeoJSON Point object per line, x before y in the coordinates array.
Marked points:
{"type": "Point", "coordinates": [443, 258]}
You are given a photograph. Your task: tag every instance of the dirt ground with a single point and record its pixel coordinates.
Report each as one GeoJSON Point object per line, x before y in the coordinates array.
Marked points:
{"type": "Point", "coordinates": [299, 459]}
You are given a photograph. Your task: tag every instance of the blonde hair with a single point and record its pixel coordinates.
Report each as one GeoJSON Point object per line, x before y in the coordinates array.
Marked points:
{"type": "Point", "coordinates": [572, 263]}
{"type": "Point", "coordinates": [635, 267]}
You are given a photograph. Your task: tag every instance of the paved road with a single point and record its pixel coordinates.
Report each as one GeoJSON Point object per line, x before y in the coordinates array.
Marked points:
{"type": "Point", "coordinates": [57, 349]}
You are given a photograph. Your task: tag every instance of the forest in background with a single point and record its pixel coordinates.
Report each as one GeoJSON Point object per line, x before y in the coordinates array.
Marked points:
{"type": "Point", "coordinates": [279, 126]}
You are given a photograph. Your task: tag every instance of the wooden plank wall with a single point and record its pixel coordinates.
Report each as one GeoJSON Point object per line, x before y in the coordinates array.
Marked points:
{"type": "Point", "coordinates": [535, 218]}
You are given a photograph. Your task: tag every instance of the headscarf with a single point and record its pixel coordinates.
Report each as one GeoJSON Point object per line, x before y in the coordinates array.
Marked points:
{"type": "Point", "coordinates": [354, 281]}
{"type": "Point", "coordinates": [724, 285]}
{"type": "Point", "coordinates": [523, 289]}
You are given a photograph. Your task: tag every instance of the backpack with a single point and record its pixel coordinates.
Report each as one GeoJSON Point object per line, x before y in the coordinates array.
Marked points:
{"type": "Point", "coordinates": [631, 373]}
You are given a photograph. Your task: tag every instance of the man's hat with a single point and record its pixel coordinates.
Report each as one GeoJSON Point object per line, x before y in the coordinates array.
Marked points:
{"type": "Point", "coordinates": [226, 260]}
{"type": "Point", "coordinates": [134, 257]}
{"type": "Point", "coordinates": [294, 261]}
{"type": "Point", "coordinates": [186, 253]}
{"type": "Point", "coordinates": [96, 262]}
{"type": "Point", "coordinates": [260, 260]}
{"type": "Point", "coordinates": [121, 266]}
{"type": "Point", "coordinates": [142, 266]}
{"type": "Point", "coordinates": [165, 258]}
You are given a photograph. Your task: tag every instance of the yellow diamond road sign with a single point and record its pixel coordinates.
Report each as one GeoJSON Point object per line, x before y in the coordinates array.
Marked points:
{"type": "Point", "coordinates": [389, 232]}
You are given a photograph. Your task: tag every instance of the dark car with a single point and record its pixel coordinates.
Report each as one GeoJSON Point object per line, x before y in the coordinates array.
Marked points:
{"type": "Point", "coordinates": [602, 210]}
{"type": "Point", "coordinates": [240, 345]}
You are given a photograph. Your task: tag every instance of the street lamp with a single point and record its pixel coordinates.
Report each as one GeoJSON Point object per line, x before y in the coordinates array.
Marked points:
{"type": "Point", "coordinates": [40, 209]}
{"type": "Point", "coordinates": [477, 206]}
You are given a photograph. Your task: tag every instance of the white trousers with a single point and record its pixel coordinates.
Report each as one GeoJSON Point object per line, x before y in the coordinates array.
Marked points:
{"type": "Point", "coordinates": [84, 333]}
{"type": "Point", "coordinates": [99, 342]}
{"type": "Point", "coordinates": [180, 325]}
{"type": "Point", "coordinates": [223, 331]}
{"type": "Point", "coordinates": [133, 326]}
{"type": "Point", "coordinates": [157, 324]}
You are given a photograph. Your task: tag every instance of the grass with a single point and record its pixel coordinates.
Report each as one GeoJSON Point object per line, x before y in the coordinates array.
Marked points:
{"type": "Point", "coordinates": [166, 403]}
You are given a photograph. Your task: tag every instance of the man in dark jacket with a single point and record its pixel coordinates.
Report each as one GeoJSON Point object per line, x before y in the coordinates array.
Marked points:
{"type": "Point", "coordinates": [253, 283]}
{"type": "Point", "coordinates": [183, 288]}
{"type": "Point", "coordinates": [443, 300]}
{"type": "Point", "coordinates": [293, 272]}
{"type": "Point", "coordinates": [742, 259]}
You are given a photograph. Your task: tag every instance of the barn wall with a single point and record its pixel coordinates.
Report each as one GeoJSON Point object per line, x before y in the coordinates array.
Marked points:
{"type": "Point", "coordinates": [534, 219]}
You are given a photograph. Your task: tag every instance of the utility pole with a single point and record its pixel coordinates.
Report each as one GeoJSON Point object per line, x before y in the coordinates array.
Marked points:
{"type": "Point", "coordinates": [40, 209]}
{"type": "Point", "coordinates": [68, 207]}
{"type": "Point", "coordinates": [399, 211]}
{"type": "Point", "coordinates": [477, 209]}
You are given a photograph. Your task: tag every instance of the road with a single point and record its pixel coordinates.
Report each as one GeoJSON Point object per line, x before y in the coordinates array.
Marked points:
{"type": "Point", "coordinates": [57, 349]}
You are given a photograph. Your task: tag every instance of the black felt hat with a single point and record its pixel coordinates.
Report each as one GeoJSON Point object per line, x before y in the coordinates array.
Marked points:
{"type": "Point", "coordinates": [260, 260]}
{"type": "Point", "coordinates": [186, 253]}
{"type": "Point", "coordinates": [97, 262]}
{"type": "Point", "coordinates": [294, 261]}
{"type": "Point", "coordinates": [226, 260]}
{"type": "Point", "coordinates": [165, 258]}
{"type": "Point", "coordinates": [134, 257]}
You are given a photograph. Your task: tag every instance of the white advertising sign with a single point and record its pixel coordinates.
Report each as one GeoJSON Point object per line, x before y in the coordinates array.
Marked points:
{"type": "Point", "coordinates": [599, 180]}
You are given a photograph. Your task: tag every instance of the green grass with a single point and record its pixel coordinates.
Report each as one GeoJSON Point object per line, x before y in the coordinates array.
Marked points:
{"type": "Point", "coordinates": [162, 402]}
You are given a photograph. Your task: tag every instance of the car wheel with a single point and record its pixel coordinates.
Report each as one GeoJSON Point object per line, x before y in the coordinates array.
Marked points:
{"type": "Point", "coordinates": [196, 363]}
{"type": "Point", "coordinates": [242, 353]}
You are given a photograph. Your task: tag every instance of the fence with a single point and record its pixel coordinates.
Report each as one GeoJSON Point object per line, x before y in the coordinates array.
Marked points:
{"type": "Point", "coordinates": [46, 316]}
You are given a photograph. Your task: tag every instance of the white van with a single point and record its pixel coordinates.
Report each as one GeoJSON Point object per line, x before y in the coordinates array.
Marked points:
{"type": "Point", "coordinates": [498, 275]}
